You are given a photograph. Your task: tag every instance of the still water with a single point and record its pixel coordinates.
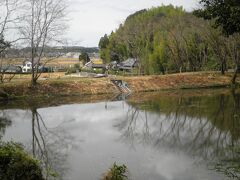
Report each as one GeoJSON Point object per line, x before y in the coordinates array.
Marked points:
{"type": "Point", "coordinates": [158, 136]}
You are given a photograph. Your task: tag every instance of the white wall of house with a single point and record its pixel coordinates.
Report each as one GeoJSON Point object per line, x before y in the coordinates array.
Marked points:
{"type": "Point", "coordinates": [27, 67]}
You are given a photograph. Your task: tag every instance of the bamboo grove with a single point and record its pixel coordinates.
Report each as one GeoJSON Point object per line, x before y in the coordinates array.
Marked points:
{"type": "Point", "coordinates": [168, 39]}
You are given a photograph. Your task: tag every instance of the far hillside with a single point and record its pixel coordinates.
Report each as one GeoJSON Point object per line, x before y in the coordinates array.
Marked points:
{"type": "Point", "coordinates": [168, 39]}
{"type": "Point", "coordinates": [52, 51]}
{"type": "Point", "coordinates": [60, 56]}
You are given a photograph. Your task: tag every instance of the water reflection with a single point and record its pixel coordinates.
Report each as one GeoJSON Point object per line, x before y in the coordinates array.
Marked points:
{"type": "Point", "coordinates": [206, 127]}
{"type": "Point", "coordinates": [5, 121]}
{"type": "Point", "coordinates": [51, 146]}
{"type": "Point", "coordinates": [157, 136]}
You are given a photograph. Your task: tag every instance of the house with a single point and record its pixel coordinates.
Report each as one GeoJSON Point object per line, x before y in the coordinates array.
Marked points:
{"type": "Point", "coordinates": [11, 69]}
{"type": "Point", "coordinates": [95, 64]}
{"type": "Point", "coordinates": [128, 64]}
{"type": "Point", "coordinates": [27, 67]}
{"type": "Point", "coordinates": [113, 65]}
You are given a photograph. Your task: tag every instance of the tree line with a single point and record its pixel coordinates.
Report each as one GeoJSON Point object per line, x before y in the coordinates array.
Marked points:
{"type": "Point", "coordinates": [168, 39]}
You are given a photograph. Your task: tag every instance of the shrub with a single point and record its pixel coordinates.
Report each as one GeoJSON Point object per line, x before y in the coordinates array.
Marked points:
{"type": "Point", "coordinates": [116, 172]}
{"type": "Point", "coordinates": [17, 164]}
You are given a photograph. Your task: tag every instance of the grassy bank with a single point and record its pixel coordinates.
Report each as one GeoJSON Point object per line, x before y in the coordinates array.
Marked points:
{"type": "Point", "coordinates": [66, 86]}
{"type": "Point", "coordinates": [179, 81]}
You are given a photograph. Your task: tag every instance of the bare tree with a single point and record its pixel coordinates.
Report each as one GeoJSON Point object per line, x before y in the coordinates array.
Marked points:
{"type": "Point", "coordinates": [8, 18]}
{"type": "Point", "coordinates": [7, 7]}
{"type": "Point", "coordinates": [217, 42]}
{"type": "Point", "coordinates": [42, 27]}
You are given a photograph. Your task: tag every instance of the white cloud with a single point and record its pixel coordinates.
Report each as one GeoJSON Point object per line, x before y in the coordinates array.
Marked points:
{"type": "Point", "coordinates": [91, 19]}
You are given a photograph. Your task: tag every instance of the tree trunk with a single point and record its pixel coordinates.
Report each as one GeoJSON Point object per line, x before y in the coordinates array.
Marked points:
{"type": "Point", "coordinates": [235, 76]}
{"type": "Point", "coordinates": [3, 95]}
{"type": "Point", "coordinates": [180, 70]}
{"type": "Point", "coordinates": [34, 81]}
{"type": "Point", "coordinates": [222, 68]}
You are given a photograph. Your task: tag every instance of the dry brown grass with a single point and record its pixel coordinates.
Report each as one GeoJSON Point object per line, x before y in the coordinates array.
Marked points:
{"type": "Point", "coordinates": [178, 81]}
{"type": "Point", "coordinates": [54, 62]}
{"type": "Point", "coordinates": [22, 77]}
{"type": "Point", "coordinates": [59, 84]}
{"type": "Point", "coordinates": [63, 62]}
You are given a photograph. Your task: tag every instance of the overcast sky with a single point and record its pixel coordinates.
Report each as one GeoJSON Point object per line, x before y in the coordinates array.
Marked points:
{"type": "Point", "coordinates": [91, 19]}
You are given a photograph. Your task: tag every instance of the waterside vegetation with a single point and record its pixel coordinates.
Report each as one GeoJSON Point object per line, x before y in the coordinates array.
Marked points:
{"type": "Point", "coordinates": [15, 163]}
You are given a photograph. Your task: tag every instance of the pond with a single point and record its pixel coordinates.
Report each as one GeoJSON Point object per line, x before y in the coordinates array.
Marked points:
{"type": "Point", "coordinates": [176, 135]}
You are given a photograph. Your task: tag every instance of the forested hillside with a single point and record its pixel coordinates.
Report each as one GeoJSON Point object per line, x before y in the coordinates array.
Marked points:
{"type": "Point", "coordinates": [167, 39]}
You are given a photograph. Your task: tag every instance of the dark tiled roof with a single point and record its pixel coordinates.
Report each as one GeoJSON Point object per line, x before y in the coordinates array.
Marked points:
{"type": "Point", "coordinates": [128, 63]}
{"type": "Point", "coordinates": [10, 68]}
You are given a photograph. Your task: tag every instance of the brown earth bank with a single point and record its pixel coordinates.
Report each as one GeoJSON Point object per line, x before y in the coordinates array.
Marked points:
{"type": "Point", "coordinates": [66, 86]}
{"type": "Point", "coordinates": [53, 101]}
{"type": "Point", "coordinates": [179, 81]}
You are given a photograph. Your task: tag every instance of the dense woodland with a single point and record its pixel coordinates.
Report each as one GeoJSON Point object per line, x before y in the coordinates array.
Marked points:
{"type": "Point", "coordinates": [168, 39]}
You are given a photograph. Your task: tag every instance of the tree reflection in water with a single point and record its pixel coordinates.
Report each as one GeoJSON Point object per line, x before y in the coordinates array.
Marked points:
{"type": "Point", "coordinates": [50, 146]}
{"type": "Point", "coordinates": [5, 121]}
{"type": "Point", "coordinates": [205, 127]}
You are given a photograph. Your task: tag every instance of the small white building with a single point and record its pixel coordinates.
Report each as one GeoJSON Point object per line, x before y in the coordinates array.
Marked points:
{"type": "Point", "coordinates": [27, 67]}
